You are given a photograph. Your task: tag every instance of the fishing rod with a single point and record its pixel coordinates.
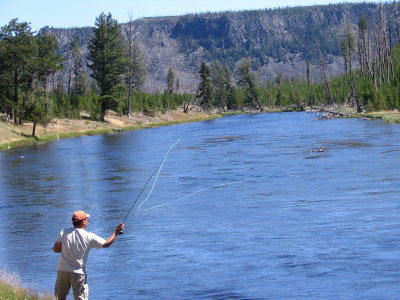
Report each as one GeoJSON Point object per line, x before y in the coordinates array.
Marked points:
{"type": "Point", "coordinates": [159, 166]}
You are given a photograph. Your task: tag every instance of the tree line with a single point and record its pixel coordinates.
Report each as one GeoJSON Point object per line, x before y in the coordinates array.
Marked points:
{"type": "Point", "coordinates": [370, 81]}
{"type": "Point", "coordinates": [30, 89]}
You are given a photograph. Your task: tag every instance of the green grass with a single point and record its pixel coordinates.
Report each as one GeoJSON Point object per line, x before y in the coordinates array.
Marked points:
{"type": "Point", "coordinates": [11, 290]}
{"type": "Point", "coordinates": [54, 136]}
{"type": "Point", "coordinates": [391, 118]}
{"type": "Point", "coordinates": [387, 117]}
{"type": "Point", "coordinates": [16, 144]}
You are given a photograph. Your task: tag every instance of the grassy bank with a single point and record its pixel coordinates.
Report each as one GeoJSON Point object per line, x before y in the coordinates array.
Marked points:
{"type": "Point", "coordinates": [390, 117]}
{"type": "Point", "coordinates": [10, 289]}
{"type": "Point", "coordinates": [12, 136]}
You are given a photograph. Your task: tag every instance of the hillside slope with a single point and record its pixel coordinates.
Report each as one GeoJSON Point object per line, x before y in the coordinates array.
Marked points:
{"type": "Point", "coordinates": [280, 41]}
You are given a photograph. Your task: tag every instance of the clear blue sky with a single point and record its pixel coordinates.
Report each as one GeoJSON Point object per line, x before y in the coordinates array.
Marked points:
{"type": "Point", "coordinates": [77, 13]}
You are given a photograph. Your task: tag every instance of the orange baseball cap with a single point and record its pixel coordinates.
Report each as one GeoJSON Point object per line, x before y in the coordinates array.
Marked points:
{"type": "Point", "coordinates": [79, 215]}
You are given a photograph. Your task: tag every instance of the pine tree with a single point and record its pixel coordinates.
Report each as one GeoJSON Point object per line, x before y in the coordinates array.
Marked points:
{"type": "Point", "coordinates": [247, 80]}
{"type": "Point", "coordinates": [37, 111]}
{"type": "Point", "coordinates": [18, 47]}
{"type": "Point", "coordinates": [108, 61]}
{"type": "Point", "coordinates": [75, 73]}
{"type": "Point", "coordinates": [205, 91]}
{"type": "Point", "coordinates": [221, 80]}
{"type": "Point", "coordinates": [47, 60]}
{"type": "Point", "coordinates": [170, 81]}
{"type": "Point", "coordinates": [26, 62]}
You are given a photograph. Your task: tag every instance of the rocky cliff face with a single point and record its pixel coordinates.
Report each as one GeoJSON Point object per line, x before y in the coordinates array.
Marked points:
{"type": "Point", "coordinates": [279, 41]}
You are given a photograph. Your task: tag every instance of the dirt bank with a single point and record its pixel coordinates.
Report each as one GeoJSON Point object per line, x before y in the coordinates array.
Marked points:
{"type": "Point", "coordinates": [14, 135]}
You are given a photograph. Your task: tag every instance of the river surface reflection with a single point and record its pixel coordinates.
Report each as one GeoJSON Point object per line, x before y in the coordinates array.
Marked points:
{"type": "Point", "coordinates": [242, 209]}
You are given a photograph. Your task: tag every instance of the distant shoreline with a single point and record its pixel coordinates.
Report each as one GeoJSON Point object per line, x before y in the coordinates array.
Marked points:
{"type": "Point", "coordinates": [12, 136]}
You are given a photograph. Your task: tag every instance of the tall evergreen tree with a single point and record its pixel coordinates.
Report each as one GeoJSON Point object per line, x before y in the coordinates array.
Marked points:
{"type": "Point", "coordinates": [75, 72]}
{"type": "Point", "coordinates": [17, 50]}
{"type": "Point", "coordinates": [26, 61]}
{"type": "Point", "coordinates": [221, 80]}
{"type": "Point", "coordinates": [48, 61]}
{"type": "Point", "coordinates": [107, 59]}
{"type": "Point", "coordinates": [205, 91]}
{"type": "Point", "coordinates": [170, 81]}
{"type": "Point", "coordinates": [37, 111]}
{"type": "Point", "coordinates": [247, 80]}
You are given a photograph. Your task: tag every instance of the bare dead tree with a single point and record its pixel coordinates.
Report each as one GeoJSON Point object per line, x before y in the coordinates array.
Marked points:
{"type": "Point", "coordinates": [323, 71]}
{"type": "Point", "coordinates": [349, 51]}
{"type": "Point", "coordinates": [69, 88]}
{"type": "Point", "coordinates": [396, 19]}
{"type": "Point", "coordinates": [136, 71]}
{"type": "Point", "coordinates": [383, 60]}
{"type": "Point", "coordinates": [363, 46]}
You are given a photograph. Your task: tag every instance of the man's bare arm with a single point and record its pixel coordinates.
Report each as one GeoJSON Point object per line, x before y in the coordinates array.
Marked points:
{"type": "Point", "coordinates": [113, 236]}
{"type": "Point", "coordinates": [57, 247]}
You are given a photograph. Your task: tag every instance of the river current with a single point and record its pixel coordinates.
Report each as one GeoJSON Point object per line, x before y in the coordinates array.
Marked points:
{"type": "Point", "coordinates": [241, 209]}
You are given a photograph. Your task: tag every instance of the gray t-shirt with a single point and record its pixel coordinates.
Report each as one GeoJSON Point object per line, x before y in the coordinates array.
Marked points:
{"type": "Point", "coordinates": [76, 243]}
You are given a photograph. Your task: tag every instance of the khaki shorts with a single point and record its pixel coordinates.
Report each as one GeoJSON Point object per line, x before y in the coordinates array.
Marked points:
{"type": "Point", "coordinates": [66, 280]}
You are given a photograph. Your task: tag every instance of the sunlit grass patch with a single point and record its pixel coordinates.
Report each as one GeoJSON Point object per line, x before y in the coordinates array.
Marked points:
{"type": "Point", "coordinates": [10, 289]}
{"type": "Point", "coordinates": [391, 118]}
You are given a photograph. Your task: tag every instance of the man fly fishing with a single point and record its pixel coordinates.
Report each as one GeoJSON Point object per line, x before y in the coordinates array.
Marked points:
{"type": "Point", "coordinates": [74, 244]}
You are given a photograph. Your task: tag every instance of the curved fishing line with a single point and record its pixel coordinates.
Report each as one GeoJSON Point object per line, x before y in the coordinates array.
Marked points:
{"type": "Point", "coordinates": [158, 174]}
{"type": "Point", "coordinates": [194, 193]}
{"type": "Point", "coordinates": [159, 167]}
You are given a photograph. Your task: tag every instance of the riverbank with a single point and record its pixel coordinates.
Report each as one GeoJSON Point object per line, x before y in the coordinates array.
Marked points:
{"type": "Point", "coordinates": [390, 117]}
{"type": "Point", "coordinates": [11, 289]}
{"type": "Point", "coordinates": [12, 135]}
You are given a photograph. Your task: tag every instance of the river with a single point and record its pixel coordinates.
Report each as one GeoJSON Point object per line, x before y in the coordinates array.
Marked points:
{"type": "Point", "coordinates": [241, 209]}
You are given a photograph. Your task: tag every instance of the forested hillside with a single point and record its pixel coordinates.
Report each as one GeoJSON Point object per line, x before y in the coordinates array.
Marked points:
{"type": "Point", "coordinates": [279, 41]}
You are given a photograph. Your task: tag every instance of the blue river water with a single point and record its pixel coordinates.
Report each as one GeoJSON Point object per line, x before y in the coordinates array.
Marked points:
{"type": "Point", "coordinates": [241, 209]}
